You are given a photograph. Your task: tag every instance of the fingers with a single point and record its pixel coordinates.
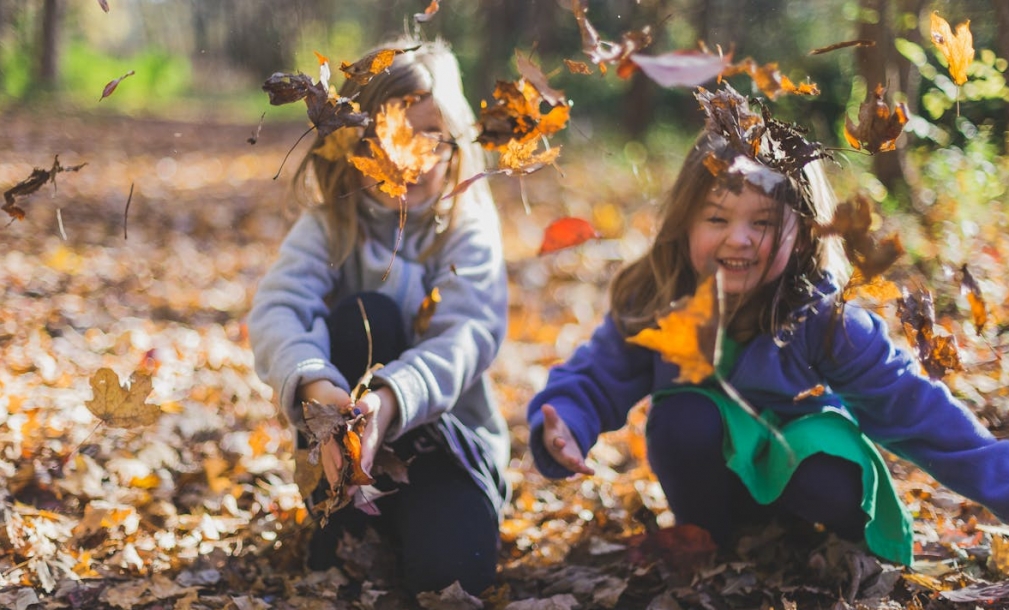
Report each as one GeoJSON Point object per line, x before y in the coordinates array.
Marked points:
{"type": "Point", "coordinates": [332, 461]}
{"type": "Point", "coordinates": [560, 443]}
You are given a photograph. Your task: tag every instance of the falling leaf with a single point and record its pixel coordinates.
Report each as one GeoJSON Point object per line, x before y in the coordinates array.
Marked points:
{"type": "Point", "coordinates": [769, 80]}
{"type": "Point", "coordinates": [843, 45]}
{"type": "Point", "coordinates": [875, 289]}
{"type": "Point", "coordinates": [428, 14]}
{"type": "Point", "coordinates": [32, 183]}
{"type": "Point", "coordinates": [877, 128]}
{"type": "Point", "coordinates": [327, 113]}
{"type": "Point", "coordinates": [422, 320]}
{"type": "Point", "coordinates": [852, 221]}
{"type": "Point", "coordinates": [532, 73]}
{"type": "Point", "coordinates": [938, 354]}
{"type": "Point", "coordinates": [682, 337]}
{"type": "Point", "coordinates": [255, 134]}
{"type": "Point", "coordinates": [104, 4]}
{"type": "Point", "coordinates": [119, 406]}
{"type": "Point", "coordinates": [957, 48]}
{"type": "Point", "coordinates": [603, 52]}
{"type": "Point", "coordinates": [366, 68]}
{"type": "Point", "coordinates": [577, 67]}
{"type": "Point", "coordinates": [522, 158]}
{"type": "Point", "coordinates": [681, 68]}
{"type": "Point", "coordinates": [566, 233]}
{"type": "Point", "coordinates": [398, 157]}
{"type": "Point", "coordinates": [978, 309]}
{"type": "Point", "coordinates": [516, 115]}
{"type": "Point", "coordinates": [109, 88]}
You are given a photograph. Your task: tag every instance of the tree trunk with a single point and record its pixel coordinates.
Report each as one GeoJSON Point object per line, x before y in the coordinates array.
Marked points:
{"type": "Point", "coordinates": [1001, 26]}
{"type": "Point", "coordinates": [49, 44]}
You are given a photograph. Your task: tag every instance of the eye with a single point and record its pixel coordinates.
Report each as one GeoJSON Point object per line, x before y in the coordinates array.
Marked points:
{"type": "Point", "coordinates": [715, 220]}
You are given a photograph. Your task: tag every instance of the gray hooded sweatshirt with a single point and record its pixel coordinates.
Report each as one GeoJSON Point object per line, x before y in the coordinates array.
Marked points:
{"type": "Point", "coordinates": [443, 370]}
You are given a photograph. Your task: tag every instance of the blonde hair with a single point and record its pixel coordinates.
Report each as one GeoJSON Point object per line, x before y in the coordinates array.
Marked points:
{"type": "Point", "coordinates": [645, 289]}
{"type": "Point", "coordinates": [428, 68]}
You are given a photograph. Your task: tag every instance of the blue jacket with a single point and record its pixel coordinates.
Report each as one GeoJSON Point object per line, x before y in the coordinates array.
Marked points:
{"type": "Point", "coordinates": [879, 385]}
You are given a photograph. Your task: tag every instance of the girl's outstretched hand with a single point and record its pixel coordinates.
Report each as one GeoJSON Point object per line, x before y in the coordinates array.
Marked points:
{"type": "Point", "coordinates": [561, 444]}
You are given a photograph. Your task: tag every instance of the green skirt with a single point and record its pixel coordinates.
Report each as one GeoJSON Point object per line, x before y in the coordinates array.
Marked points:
{"type": "Point", "coordinates": [765, 464]}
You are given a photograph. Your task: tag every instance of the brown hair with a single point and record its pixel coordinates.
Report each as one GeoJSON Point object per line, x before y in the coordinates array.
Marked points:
{"type": "Point", "coordinates": [645, 289]}
{"type": "Point", "coordinates": [430, 68]}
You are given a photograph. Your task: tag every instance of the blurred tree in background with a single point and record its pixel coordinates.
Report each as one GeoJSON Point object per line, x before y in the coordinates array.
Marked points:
{"type": "Point", "coordinates": [200, 57]}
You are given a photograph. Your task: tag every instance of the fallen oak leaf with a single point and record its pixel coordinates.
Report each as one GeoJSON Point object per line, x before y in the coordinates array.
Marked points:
{"type": "Point", "coordinates": [109, 88]}
{"type": "Point", "coordinates": [878, 128]}
{"type": "Point", "coordinates": [566, 233]}
{"type": "Point", "coordinates": [119, 406]}
{"type": "Point", "coordinates": [957, 48]}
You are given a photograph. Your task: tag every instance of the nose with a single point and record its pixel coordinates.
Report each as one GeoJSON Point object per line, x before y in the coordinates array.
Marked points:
{"type": "Point", "coordinates": [740, 235]}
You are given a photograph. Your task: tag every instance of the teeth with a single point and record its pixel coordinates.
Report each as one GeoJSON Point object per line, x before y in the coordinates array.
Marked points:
{"type": "Point", "coordinates": [735, 264]}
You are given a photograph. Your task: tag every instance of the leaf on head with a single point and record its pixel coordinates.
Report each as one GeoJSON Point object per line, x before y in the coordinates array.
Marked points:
{"type": "Point", "coordinates": [398, 156]}
{"type": "Point", "coordinates": [122, 406]}
{"type": "Point", "coordinates": [878, 128]}
{"type": "Point", "coordinates": [957, 48]}
{"type": "Point", "coordinates": [686, 335]}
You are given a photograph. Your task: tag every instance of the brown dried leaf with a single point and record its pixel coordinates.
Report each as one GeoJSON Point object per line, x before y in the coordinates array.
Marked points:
{"type": "Point", "coordinates": [978, 309]}
{"type": "Point", "coordinates": [878, 128]}
{"type": "Point", "coordinates": [121, 406]}
{"type": "Point", "coordinates": [366, 68]}
{"type": "Point", "coordinates": [109, 88]}
{"type": "Point", "coordinates": [32, 183]}
{"type": "Point", "coordinates": [937, 354]}
{"type": "Point", "coordinates": [957, 48]}
{"type": "Point", "coordinates": [852, 222]}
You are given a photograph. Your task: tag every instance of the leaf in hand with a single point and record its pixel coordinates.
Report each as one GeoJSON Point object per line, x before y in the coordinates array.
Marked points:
{"type": "Point", "coordinates": [119, 406]}
{"type": "Point", "coordinates": [877, 128]}
{"type": "Point", "coordinates": [978, 309]}
{"type": "Point", "coordinates": [566, 233]}
{"type": "Point", "coordinates": [957, 48]}
{"type": "Point", "coordinates": [686, 336]}
{"type": "Point", "coordinates": [109, 88]}
{"type": "Point", "coordinates": [422, 321]}
{"type": "Point", "coordinates": [344, 426]}
{"type": "Point", "coordinates": [398, 156]}
{"type": "Point", "coordinates": [938, 354]}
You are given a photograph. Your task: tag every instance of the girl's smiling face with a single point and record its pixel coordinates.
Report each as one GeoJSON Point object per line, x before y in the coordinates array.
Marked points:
{"type": "Point", "coordinates": [735, 233]}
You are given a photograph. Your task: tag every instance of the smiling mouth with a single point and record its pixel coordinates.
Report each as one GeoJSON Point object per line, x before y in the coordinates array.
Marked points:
{"type": "Point", "coordinates": [736, 264]}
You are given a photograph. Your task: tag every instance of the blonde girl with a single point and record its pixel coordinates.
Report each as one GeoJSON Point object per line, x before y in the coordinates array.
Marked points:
{"type": "Point", "coordinates": [431, 401]}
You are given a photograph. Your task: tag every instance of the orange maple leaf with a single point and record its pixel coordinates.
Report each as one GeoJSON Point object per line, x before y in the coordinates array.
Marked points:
{"type": "Point", "coordinates": [398, 156]}
{"type": "Point", "coordinates": [957, 48]}
{"type": "Point", "coordinates": [682, 336]}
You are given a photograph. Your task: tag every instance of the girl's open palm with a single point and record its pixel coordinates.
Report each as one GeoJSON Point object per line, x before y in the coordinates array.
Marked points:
{"type": "Point", "coordinates": [561, 444]}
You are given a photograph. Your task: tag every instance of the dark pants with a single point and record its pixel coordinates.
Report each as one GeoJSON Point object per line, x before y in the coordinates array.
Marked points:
{"type": "Point", "coordinates": [684, 436]}
{"type": "Point", "coordinates": [442, 525]}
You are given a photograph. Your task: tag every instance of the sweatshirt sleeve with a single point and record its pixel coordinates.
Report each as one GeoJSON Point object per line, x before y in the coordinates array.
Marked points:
{"type": "Point", "coordinates": [911, 415]}
{"type": "Point", "coordinates": [287, 322]}
{"type": "Point", "coordinates": [466, 329]}
{"type": "Point", "coordinates": [592, 392]}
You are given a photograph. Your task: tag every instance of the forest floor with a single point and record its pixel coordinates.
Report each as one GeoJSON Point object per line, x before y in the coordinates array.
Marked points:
{"type": "Point", "coordinates": [200, 509]}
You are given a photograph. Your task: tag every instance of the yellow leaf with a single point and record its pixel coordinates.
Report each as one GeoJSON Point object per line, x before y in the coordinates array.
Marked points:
{"type": "Point", "coordinates": [519, 156]}
{"type": "Point", "coordinates": [957, 48]}
{"type": "Point", "coordinates": [422, 320]}
{"type": "Point", "coordinates": [679, 336]}
{"type": "Point", "coordinates": [119, 406]}
{"type": "Point", "coordinates": [398, 156]}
